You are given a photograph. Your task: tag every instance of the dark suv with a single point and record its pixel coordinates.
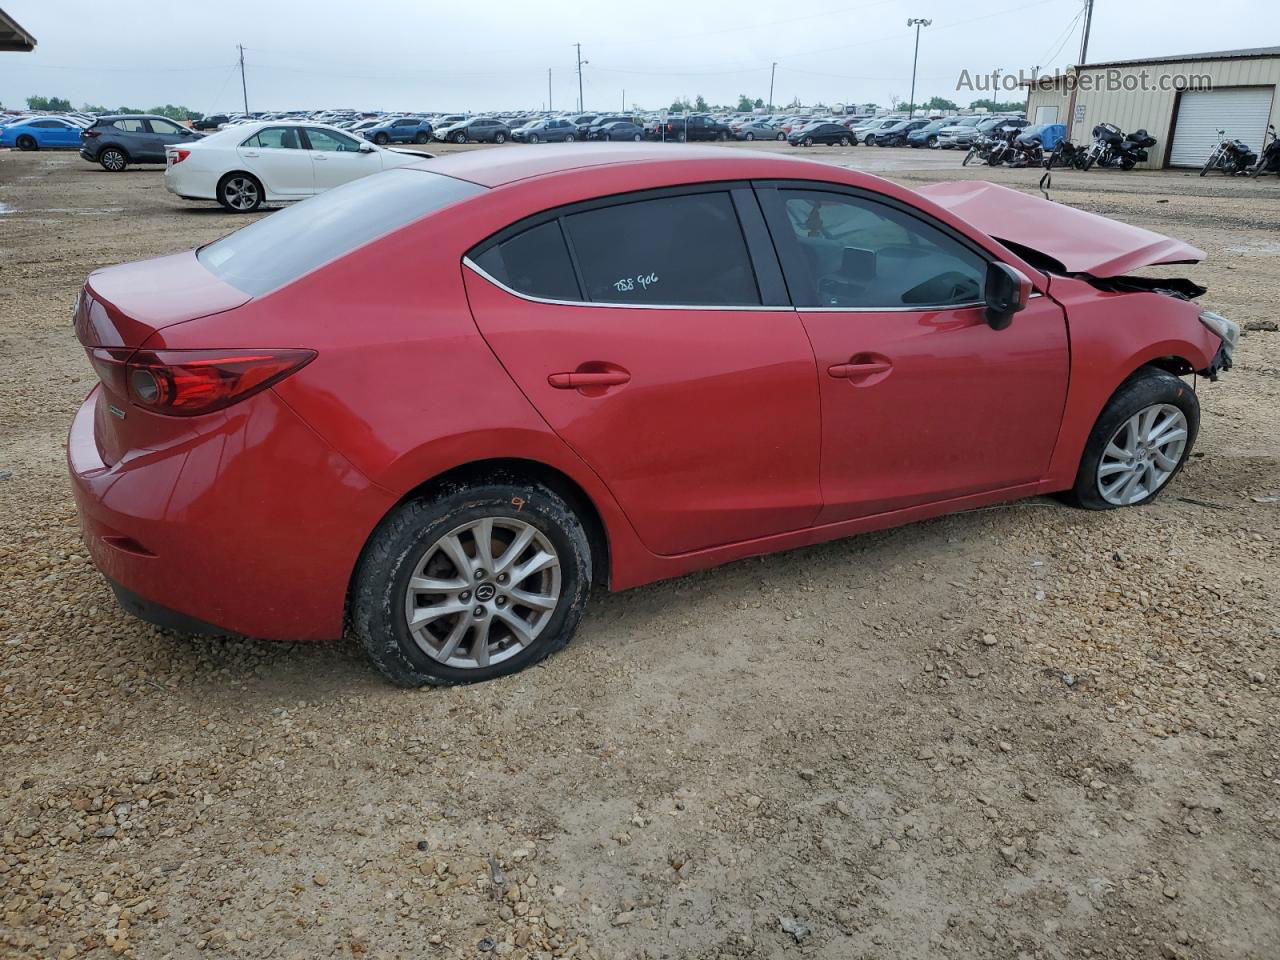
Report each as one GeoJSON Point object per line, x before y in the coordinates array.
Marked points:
{"type": "Point", "coordinates": [681, 129]}
{"type": "Point", "coordinates": [116, 142]}
{"type": "Point", "coordinates": [211, 122]}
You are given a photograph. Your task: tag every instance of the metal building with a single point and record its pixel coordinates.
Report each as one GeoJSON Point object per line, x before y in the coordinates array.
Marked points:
{"type": "Point", "coordinates": [1181, 101]}
{"type": "Point", "coordinates": [13, 37]}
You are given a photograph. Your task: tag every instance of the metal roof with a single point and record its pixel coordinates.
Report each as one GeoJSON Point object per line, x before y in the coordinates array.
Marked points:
{"type": "Point", "coordinates": [13, 37]}
{"type": "Point", "coordinates": [1246, 53]}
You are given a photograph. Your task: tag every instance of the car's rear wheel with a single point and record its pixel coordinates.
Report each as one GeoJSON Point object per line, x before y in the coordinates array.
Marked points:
{"type": "Point", "coordinates": [113, 159]}
{"type": "Point", "coordinates": [420, 137]}
{"type": "Point", "coordinates": [240, 192]}
{"type": "Point", "coordinates": [1140, 442]}
{"type": "Point", "coordinates": [844, 141]}
{"type": "Point", "coordinates": [499, 138]}
{"type": "Point", "coordinates": [569, 138]}
{"type": "Point", "coordinates": [781, 136]}
{"type": "Point", "coordinates": [27, 142]}
{"type": "Point", "coordinates": [748, 135]}
{"type": "Point", "coordinates": [471, 584]}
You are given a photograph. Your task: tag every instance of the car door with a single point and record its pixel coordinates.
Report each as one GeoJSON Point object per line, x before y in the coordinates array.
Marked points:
{"type": "Point", "coordinates": [651, 331]}
{"type": "Point", "coordinates": [64, 133]}
{"type": "Point", "coordinates": [278, 157]}
{"type": "Point", "coordinates": [160, 133]}
{"type": "Point", "coordinates": [338, 159]}
{"type": "Point", "coordinates": [922, 401]}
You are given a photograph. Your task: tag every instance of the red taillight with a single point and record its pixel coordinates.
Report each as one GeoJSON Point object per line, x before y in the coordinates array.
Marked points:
{"type": "Point", "coordinates": [177, 156]}
{"type": "Point", "coordinates": [186, 383]}
{"type": "Point", "coordinates": [90, 134]}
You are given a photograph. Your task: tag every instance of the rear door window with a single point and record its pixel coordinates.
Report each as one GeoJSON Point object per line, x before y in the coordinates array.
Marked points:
{"type": "Point", "coordinates": [128, 125]}
{"type": "Point", "coordinates": [275, 138]}
{"type": "Point", "coordinates": [686, 249]}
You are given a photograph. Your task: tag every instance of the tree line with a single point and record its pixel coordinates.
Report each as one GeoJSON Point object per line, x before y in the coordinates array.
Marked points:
{"type": "Point", "coordinates": [63, 105]}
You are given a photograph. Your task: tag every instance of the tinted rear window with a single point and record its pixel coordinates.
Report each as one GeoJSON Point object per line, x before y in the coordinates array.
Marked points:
{"type": "Point", "coordinates": [283, 246]}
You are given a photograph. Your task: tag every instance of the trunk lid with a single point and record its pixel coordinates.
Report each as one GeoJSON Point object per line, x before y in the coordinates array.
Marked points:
{"type": "Point", "coordinates": [1078, 241]}
{"type": "Point", "coordinates": [117, 311]}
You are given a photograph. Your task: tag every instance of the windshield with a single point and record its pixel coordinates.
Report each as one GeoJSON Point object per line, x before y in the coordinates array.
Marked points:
{"type": "Point", "coordinates": [283, 246]}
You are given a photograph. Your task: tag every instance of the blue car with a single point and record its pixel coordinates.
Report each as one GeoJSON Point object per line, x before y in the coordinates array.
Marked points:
{"type": "Point", "coordinates": [41, 133]}
{"type": "Point", "coordinates": [399, 130]}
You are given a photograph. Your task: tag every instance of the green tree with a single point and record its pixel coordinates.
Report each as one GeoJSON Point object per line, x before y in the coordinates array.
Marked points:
{"type": "Point", "coordinates": [176, 113]}
{"type": "Point", "coordinates": [745, 103]}
{"type": "Point", "coordinates": [57, 104]}
{"type": "Point", "coordinates": [700, 104]}
{"type": "Point", "coordinates": [941, 103]}
{"type": "Point", "coordinates": [759, 103]}
{"type": "Point", "coordinates": [997, 107]}
{"type": "Point", "coordinates": [679, 106]}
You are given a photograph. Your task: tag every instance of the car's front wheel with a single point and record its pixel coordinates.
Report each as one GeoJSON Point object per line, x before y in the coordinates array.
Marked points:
{"type": "Point", "coordinates": [471, 584]}
{"type": "Point", "coordinates": [113, 159]}
{"type": "Point", "coordinates": [240, 193]}
{"type": "Point", "coordinates": [1140, 442]}
{"type": "Point", "coordinates": [420, 137]}
{"type": "Point", "coordinates": [381, 139]}
{"type": "Point", "coordinates": [499, 138]}
{"type": "Point", "coordinates": [459, 138]}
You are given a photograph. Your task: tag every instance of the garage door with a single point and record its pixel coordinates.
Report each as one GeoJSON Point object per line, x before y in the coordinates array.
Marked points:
{"type": "Point", "coordinates": [1241, 111]}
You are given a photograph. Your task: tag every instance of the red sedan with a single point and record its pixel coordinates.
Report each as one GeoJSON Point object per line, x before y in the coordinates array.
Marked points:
{"type": "Point", "coordinates": [440, 403]}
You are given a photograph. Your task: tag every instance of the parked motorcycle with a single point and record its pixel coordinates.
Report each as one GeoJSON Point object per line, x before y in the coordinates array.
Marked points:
{"type": "Point", "coordinates": [1269, 161]}
{"type": "Point", "coordinates": [1232, 157]}
{"type": "Point", "coordinates": [980, 149]}
{"type": "Point", "coordinates": [1113, 148]}
{"type": "Point", "coordinates": [1067, 154]}
{"type": "Point", "coordinates": [1029, 146]}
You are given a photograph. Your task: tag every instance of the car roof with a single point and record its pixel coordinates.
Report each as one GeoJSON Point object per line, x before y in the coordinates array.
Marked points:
{"type": "Point", "coordinates": [496, 168]}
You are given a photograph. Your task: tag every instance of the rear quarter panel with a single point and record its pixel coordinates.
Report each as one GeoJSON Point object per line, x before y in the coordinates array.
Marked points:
{"type": "Point", "coordinates": [1111, 336]}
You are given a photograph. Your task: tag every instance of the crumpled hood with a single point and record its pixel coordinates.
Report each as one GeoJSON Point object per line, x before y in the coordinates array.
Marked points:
{"type": "Point", "coordinates": [1081, 242]}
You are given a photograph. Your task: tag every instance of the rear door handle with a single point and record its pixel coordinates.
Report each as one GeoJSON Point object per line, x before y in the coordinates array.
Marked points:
{"type": "Point", "coordinates": [850, 370]}
{"type": "Point", "coordinates": [577, 380]}
{"type": "Point", "coordinates": [250, 153]}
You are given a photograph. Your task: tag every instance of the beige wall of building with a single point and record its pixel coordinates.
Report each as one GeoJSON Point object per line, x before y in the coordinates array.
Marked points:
{"type": "Point", "coordinates": [1150, 108]}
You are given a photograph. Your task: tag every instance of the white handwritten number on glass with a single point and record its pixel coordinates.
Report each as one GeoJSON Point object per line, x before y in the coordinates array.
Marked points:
{"type": "Point", "coordinates": [627, 284]}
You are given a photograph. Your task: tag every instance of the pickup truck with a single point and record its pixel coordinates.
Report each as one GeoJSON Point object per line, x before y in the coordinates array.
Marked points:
{"type": "Point", "coordinates": [695, 127]}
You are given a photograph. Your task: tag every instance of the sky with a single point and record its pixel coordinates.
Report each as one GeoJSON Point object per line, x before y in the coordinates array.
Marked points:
{"type": "Point", "coordinates": [414, 55]}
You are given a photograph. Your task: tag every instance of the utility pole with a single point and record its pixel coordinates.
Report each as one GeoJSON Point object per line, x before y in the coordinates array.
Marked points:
{"type": "Point", "coordinates": [1084, 37]}
{"type": "Point", "coordinates": [917, 23]}
{"type": "Point", "coordinates": [243, 89]}
{"type": "Point", "coordinates": [772, 70]}
{"type": "Point", "coordinates": [549, 90]}
{"type": "Point", "coordinates": [624, 99]}
{"type": "Point", "coordinates": [580, 63]}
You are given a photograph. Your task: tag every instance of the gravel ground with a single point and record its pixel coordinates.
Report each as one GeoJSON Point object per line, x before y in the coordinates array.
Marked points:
{"type": "Point", "coordinates": [1025, 731]}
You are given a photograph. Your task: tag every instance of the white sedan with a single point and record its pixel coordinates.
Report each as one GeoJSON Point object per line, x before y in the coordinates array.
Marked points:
{"type": "Point", "coordinates": [246, 165]}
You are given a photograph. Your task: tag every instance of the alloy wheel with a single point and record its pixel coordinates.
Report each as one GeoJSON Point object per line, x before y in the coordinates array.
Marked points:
{"type": "Point", "coordinates": [112, 160]}
{"type": "Point", "coordinates": [1142, 454]}
{"type": "Point", "coordinates": [483, 592]}
{"type": "Point", "coordinates": [241, 193]}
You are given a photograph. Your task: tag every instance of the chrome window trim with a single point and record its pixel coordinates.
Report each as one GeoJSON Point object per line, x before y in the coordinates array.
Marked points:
{"type": "Point", "coordinates": [480, 271]}
{"type": "Point", "coordinates": [756, 308]}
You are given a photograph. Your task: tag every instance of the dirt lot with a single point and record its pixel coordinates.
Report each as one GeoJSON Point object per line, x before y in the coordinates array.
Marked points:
{"type": "Point", "coordinates": [1025, 731]}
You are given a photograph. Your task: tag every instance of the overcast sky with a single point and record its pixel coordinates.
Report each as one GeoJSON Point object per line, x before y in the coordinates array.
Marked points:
{"type": "Point", "coordinates": [412, 55]}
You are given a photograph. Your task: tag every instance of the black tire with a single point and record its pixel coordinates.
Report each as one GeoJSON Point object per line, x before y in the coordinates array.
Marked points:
{"type": "Point", "coordinates": [636, 138]}
{"type": "Point", "coordinates": [112, 159]}
{"type": "Point", "coordinates": [931, 142]}
{"type": "Point", "coordinates": [1208, 165]}
{"type": "Point", "coordinates": [680, 137]}
{"type": "Point", "coordinates": [381, 139]}
{"type": "Point", "coordinates": [389, 559]}
{"type": "Point", "coordinates": [27, 142]}
{"type": "Point", "coordinates": [499, 137]}
{"type": "Point", "coordinates": [968, 156]}
{"type": "Point", "coordinates": [421, 137]}
{"type": "Point", "coordinates": [748, 135]}
{"type": "Point", "coordinates": [459, 137]}
{"type": "Point", "coordinates": [807, 142]}
{"type": "Point", "coordinates": [782, 136]}
{"type": "Point", "coordinates": [533, 138]}
{"type": "Point", "coordinates": [1089, 159]}
{"type": "Point", "coordinates": [1147, 386]}
{"type": "Point", "coordinates": [250, 205]}
{"type": "Point", "coordinates": [869, 140]}
{"type": "Point", "coordinates": [844, 141]}
{"type": "Point", "coordinates": [722, 135]}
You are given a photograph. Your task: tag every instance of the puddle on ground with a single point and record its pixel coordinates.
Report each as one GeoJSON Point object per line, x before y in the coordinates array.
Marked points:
{"type": "Point", "coordinates": [1259, 248]}
{"type": "Point", "coordinates": [5, 208]}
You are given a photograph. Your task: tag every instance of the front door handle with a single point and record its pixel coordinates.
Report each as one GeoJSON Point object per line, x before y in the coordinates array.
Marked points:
{"type": "Point", "coordinates": [867, 368]}
{"type": "Point", "coordinates": [579, 379]}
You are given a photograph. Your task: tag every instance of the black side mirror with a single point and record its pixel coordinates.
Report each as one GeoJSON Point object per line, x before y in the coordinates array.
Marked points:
{"type": "Point", "coordinates": [1007, 292]}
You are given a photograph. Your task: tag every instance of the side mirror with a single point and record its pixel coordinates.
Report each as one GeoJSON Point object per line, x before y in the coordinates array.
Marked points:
{"type": "Point", "coordinates": [365, 148]}
{"type": "Point", "coordinates": [1007, 292]}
